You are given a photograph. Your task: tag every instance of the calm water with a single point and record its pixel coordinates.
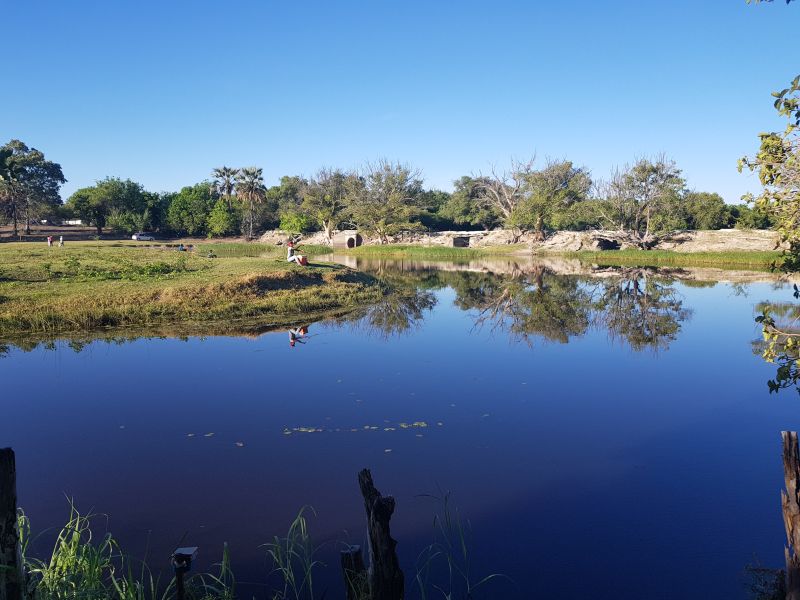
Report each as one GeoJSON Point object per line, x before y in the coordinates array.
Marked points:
{"type": "Point", "coordinates": [605, 436]}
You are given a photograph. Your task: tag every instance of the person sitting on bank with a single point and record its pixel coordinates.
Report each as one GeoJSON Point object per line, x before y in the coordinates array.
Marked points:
{"type": "Point", "coordinates": [292, 256]}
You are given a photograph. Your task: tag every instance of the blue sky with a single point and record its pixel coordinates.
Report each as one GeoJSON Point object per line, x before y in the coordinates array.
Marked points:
{"type": "Point", "coordinates": [162, 92]}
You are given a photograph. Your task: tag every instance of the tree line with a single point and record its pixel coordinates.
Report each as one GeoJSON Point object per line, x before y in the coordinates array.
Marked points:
{"type": "Point", "coordinates": [644, 199]}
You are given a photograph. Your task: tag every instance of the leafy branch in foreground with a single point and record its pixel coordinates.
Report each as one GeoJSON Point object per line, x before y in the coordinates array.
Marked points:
{"type": "Point", "coordinates": [778, 165]}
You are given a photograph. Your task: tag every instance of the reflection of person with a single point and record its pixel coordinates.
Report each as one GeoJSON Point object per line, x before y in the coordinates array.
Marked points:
{"type": "Point", "coordinates": [292, 256]}
{"type": "Point", "coordinates": [297, 334]}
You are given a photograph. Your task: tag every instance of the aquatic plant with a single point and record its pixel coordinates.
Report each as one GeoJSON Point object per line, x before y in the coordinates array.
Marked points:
{"type": "Point", "coordinates": [83, 566]}
{"type": "Point", "coordinates": [293, 560]}
{"type": "Point", "coordinates": [451, 553]}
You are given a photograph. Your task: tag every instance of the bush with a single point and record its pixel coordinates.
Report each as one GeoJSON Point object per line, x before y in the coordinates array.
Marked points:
{"type": "Point", "coordinates": [292, 222]}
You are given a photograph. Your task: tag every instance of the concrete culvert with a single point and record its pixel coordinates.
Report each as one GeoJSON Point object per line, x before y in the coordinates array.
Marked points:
{"type": "Point", "coordinates": [347, 239]}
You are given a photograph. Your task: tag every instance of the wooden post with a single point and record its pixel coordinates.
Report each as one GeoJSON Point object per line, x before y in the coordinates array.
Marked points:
{"type": "Point", "coordinates": [355, 573]}
{"type": "Point", "coordinates": [385, 577]}
{"type": "Point", "coordinates": [11, 580]}
{"type": "Point", "coordinates": [790, 504]}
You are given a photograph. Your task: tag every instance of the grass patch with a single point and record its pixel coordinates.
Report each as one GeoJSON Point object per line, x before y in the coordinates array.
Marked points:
{"type": "Point", "coordinates": [433, 252]}
{"type": "Point", "coordinates": [84, 286]}
{"type": "Point", "coordinates": [256, 249]}
{"type": "Point", "coordinates": [646, 258]}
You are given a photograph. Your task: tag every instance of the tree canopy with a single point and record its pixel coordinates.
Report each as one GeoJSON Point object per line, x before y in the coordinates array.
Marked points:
{"type": "Point", "coordinates": [29, 183]}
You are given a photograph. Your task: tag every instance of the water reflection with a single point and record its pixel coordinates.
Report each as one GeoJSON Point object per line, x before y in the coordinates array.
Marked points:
{"type": "Point", "coordinates": [780, 343]}
{"type": "Point", "coordinates": [642, 308]}
{"type": "Point", "coordinates": [527, 305]}
{"type": "Point", "coordinates": [528, 302]}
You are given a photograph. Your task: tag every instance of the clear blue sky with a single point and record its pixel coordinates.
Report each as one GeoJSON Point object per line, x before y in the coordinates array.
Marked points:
{"type": "Point", "coordinates": [162, 92]}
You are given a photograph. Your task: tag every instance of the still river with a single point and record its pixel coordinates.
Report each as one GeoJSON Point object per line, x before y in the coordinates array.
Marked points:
{"type": "Point", "coordinates": [606, 435]}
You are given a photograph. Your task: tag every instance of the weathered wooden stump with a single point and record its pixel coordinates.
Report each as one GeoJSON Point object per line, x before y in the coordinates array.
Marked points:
{"type": "Point", "coordinates": [384, 576]}
{"type": "Point", "coordinates": [11, 577]}
{"type": "Point", "coordinates": [790, 503]}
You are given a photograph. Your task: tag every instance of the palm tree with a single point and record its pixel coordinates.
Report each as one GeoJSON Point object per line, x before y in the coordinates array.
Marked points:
{"type": "Point", "coordinates": [225, 182]}
{"type": "Point", "coordinates": [250, 188]}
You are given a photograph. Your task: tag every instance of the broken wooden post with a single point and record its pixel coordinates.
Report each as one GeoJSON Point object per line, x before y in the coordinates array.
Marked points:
{"type": "Point", "coordinates": [384, 575]}
{"type": "Point", "coordinates": [790, 503]}
{"type": "Point", "coordinates": [355, 573]}
{"type": "Point", "coordinates": [11, 579]}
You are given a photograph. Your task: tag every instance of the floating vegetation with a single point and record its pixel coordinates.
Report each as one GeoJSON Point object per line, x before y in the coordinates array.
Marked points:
{"type": "Point", "coordinates": [388, 427]}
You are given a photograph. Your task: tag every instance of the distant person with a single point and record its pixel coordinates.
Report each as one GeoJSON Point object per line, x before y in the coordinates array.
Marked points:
{"type": "Point", "coordinates": [61, 241]}
{"type": "Point", "coordinates": [49, 241]}
{"type": "Point", "coordinates": [292, 256]}
{"type": "Point", "coordinates": [298, 335]}
{"type": "Point", "coordinates": [181, 248]}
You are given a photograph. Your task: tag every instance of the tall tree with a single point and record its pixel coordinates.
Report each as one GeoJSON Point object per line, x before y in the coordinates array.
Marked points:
{"type": "Point", "coordinates": [325, 199]}
{"type": "Point", "coordinates": [707, 211]}
{"type": "Point", "coordinates": [466, 205]}
{"type": "Point", "coordinates": [638, 194]}
{"type": "Point", "coordinates": [189, 209]}
{"type": "Point", "coordinates": [250, 189]}
{"type": "Point", "coordinates": [29, 183]}
{"type": "Point", "coordinates": [225, 183]}
{"type": "Point", "coordinates": [385, 198]}
{"type": "Point", "coordinates": [111, 201]}
{"type": "Point", "coordinates": [547, 191]}
{"type": "Point", "coordinates": [504, 190]}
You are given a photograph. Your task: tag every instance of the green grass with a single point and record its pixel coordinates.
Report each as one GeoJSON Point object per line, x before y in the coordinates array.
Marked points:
{"type": "Point", "coordinates": [433, 252]}
{"type": "Point", "coordinates": [85, 286]}
{"type": "Point", "coordinates": [655, 258]}
{"type": "Point", "coordinates": [255, 249]}
{"type": "Point", "coordinates": [84, 565]}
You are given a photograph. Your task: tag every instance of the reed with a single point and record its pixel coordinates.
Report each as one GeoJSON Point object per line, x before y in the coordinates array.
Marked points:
{"type": "Point", "coordinates": [293, 561]}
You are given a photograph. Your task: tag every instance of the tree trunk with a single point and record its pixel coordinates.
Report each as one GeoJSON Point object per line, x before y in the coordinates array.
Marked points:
{"type": "Point", "coordinates": [327, 227]}
{"type": "Point", "coordinates": [539, 229]}
{"type": "Point", "coordinates": [14, 216]}
{"type": "Point", "coordinates": [790, 503]}
{"type": "Point", "coordinates": [11, 576]}
{"type": "Point", "coordinates": [385, 577]}
{"type": "Point", "coordinates": [251, 219]}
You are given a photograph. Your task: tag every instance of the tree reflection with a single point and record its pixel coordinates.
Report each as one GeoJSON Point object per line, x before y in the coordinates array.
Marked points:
{"type": "Point", "coordinates": [780, 343]}
{"type": "Point", "coordinates": [398, 313]}
{"type": "Point", "coordinates": [526, 302]}
{"type": "Point", "coordinates": [643, 309]}
{"type": "Point", "coordinates": [530, 304]}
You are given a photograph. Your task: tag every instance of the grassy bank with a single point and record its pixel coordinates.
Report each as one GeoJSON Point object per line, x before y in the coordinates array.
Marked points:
{"type": "Point", "coordinates": [84, 286]}
{"type": "Point", "coordinates": [434, 252]}
{"type": "Point", "coordinates": [655, 258]}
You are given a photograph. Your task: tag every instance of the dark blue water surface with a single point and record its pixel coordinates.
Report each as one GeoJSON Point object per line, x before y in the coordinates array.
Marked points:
{"type": "Point", "coordinates": [620, 464]}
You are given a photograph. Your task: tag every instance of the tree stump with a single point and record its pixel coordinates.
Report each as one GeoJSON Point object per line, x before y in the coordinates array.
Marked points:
{"type": "Point", "coordinates": [790, 504]}
{"type": "Point", "coordinates": [385, 577]}
{"type": "Point", "coordinates": [11, 579]}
